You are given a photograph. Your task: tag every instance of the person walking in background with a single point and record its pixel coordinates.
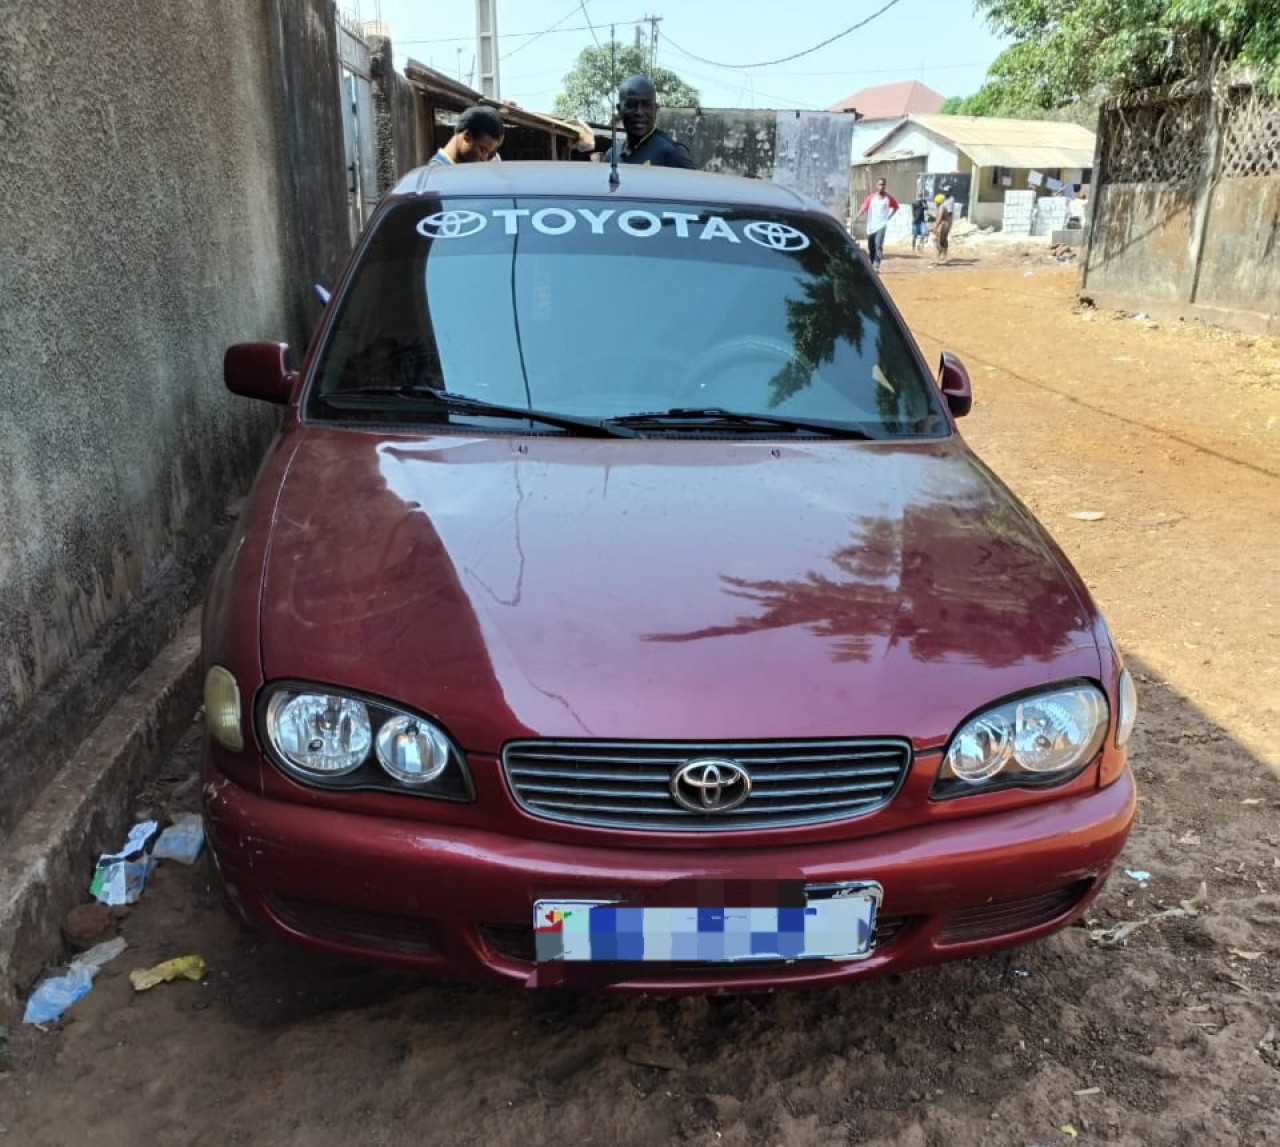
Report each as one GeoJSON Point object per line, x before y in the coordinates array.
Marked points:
{"type": "Point", "coordinates": [942, 228]}
{"type": "Point", "coordinates": [919, 223]}
{"type": "Point", "coordinates": [880, 207]}
{"type": "Point", "coordinates": [476, 138]}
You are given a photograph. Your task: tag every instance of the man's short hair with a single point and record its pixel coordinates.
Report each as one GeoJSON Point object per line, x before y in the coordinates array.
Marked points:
{"type": "Point", "coordinates": [638, 81]}
{"type": "Point", "coordinates": [481, 121]}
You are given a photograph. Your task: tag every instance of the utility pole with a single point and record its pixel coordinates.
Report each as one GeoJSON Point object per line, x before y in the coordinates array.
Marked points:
{"type": "Point", "coordinates": [653, 22]}
{"type": "Point", "coordinates": [487, 47]}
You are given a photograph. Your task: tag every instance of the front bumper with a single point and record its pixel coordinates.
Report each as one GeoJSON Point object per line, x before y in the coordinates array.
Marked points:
{"type": "Point", "coordinates": [454, 902]}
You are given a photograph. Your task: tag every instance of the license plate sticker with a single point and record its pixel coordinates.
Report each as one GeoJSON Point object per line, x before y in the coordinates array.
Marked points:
{"type": "Point", "coordinates": [835, 922]}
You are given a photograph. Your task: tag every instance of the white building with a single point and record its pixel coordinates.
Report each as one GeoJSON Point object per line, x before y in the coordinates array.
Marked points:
{"type": "Point", "coordinates": [996, 155]}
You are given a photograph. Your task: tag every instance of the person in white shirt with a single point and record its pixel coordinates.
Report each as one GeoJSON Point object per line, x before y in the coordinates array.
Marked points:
{"type": "Point", "coordinates": [880, 208]}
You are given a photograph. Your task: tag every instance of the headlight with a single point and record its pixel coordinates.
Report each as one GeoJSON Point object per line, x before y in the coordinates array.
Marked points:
{"type": "Point", "coordinates": [1126, 709]}
{"type": "Point", "coordinates": [319, 734]}
{"type": "Point", "coordinates": [338, 740]}
{"type": "Point", "coordinates": [1040, 739]}
{"type": "Point", "coordinates": [411, 750]}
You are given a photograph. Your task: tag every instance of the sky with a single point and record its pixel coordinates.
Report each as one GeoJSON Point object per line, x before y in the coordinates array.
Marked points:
{"type": "Point", "coordinates": [939, 42]}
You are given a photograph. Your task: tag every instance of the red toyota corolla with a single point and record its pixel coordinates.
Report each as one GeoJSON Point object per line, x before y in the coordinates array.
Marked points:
{"type": "Point", "coordinates": [619, 607]}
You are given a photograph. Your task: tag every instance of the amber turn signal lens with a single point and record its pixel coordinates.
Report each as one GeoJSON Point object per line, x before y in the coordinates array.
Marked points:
{"type": "Point", "coordinates": [222, 709]}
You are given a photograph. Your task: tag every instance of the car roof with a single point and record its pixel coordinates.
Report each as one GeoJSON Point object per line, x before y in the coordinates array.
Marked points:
{"type": "Point", "coordinates": [579, 180]}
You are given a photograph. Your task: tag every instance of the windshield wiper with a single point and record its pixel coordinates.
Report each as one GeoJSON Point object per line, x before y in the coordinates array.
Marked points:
{"type": "Point", "coordinates": [712, 416]}
{"type": "Point", "coordinates": [425, 398]}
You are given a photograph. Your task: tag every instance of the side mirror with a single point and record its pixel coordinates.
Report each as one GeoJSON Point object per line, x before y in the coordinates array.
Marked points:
{"type": "Point", "coordinates": [259, 370]}
{"type": "Point", "coordinates": [953, 381]}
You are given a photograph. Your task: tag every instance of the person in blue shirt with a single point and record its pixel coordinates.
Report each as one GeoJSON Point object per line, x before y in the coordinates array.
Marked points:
{"type": "Point", "coordinates": [476, 138]}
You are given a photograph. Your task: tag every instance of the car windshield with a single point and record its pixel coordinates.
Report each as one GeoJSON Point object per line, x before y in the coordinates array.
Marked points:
{"type": "Point", "coordinates": [603, 310]}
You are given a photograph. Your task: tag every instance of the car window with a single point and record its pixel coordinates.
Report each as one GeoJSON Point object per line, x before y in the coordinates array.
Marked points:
{"type": "Point", "coordinates": [603, 309]}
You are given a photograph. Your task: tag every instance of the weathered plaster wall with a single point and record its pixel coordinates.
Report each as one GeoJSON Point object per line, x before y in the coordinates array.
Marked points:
{"type": "Point", "coordinates": [161, 200]}
{"type": "Point", "coordinates": [1141, 241]}
{"type": "Point", "coordinates": [1240, 265]}
{"type": "Point", "coordinates": [805, 151]}
{"type": "Point", "coordinates": [396, 113]}
{"type": "Point", "coordinates": [1185, 216]}
{"type": "Point", "coordinates": [809, 156]}
{"type": "Point", "coordinates": [725, 140]}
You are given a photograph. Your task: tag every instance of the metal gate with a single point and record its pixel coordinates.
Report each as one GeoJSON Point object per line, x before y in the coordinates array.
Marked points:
{"type": "Point", "coordinates": [358, 132]}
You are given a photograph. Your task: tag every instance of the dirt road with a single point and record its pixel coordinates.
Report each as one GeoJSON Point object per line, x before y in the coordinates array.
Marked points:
{"type": "Point", "coordinates": [1169, 1038]}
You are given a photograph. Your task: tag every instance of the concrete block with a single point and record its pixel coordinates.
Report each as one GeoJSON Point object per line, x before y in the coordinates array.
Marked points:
{"type": "Point", "coordinates": [47, 862]}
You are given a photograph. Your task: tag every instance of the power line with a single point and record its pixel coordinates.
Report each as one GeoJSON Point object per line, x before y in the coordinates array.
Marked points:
{"type": "Point", "coordinates": [505, 36]}
{"type": "Point", "coordinates": [794, 55]}
{"type": "Point", "coordinates": [886, 71]}
{"type": "Point", "coordinates": [701, 79]}
{"type": "Point", "coordinates": [535, 39]}
{"type": "Point", "coordinates": [785, 102]}
{"type": "Point", "coordinates": [583, 5]}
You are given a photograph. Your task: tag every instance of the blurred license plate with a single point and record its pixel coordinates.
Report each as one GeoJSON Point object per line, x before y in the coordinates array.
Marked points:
{"type": "Point", "coordinates": [835, 922]}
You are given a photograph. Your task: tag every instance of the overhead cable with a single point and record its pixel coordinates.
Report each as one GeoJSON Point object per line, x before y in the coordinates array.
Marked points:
{"type": "Point", "coordinates": [794, 55]}
{"type": "Point", "coordinates": [583, 5]}
{"type": "Point", "coordinates": [535, 38]}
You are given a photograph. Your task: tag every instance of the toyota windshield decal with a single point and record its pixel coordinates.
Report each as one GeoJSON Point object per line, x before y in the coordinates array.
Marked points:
{"type": "Point", "coordinates": [634, 223]}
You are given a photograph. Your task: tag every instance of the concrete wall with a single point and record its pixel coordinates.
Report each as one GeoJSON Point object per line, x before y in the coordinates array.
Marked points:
{"type": "Point", "coordinates": [1240, 267]}
{"type": "Point", "coordinates": [1143, 246]}
{"type": "Point", "coordinates": [396, 110]}
{"type": "Point", "coordinates": [1202, 238]}
{"type": "Point", "coordinates": [172, 184]}
{"type": "Point", "coordinates": [805, 151]}
{"type": "Point", "coordinates": [809, 156]}
{"type": "Point", "coordinates": [725, 140]}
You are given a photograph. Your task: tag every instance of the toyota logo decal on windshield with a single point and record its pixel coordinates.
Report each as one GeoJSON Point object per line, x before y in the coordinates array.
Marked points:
{"type": "Point", "coordinates": [633, 223]}
{"type": "Point", "coordinates": [709, 785]}
{"type": "Point", "coordinates": [776, 236]}
{"type": "Point", "coordinates": [452, 224]}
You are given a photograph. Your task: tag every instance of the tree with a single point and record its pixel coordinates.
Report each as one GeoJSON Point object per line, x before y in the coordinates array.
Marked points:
{"type": "Point", "coordinates": [1069, 50]}
{"type": "Point", "coordinates": [591, 86]}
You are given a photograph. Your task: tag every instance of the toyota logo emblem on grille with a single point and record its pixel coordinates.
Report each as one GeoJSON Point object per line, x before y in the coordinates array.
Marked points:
{"type": "Point", "coordinates": [710, 785]}
{"type": "Point", "coordinates": [452, 224]}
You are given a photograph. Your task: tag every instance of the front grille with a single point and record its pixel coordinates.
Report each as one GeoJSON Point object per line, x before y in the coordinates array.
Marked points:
{"type": "Point", "coordinates": [616, 784]}
{"type": "Point", "coordinates": [1001, 917]}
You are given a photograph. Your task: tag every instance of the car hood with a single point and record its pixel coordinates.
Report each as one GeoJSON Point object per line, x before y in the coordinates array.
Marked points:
{"type": "Point", "coordinates": [684, 589]}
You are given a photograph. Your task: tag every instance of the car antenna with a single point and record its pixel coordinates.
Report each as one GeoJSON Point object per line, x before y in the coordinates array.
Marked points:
{"type": "Point", "coordinates": [614, 181]}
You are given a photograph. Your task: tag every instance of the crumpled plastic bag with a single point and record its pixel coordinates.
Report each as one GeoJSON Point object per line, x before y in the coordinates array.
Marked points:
{"type": "Point", "coordinates": [184, 967]}
{"type": "Point", "coordinates": [55, 995]}
{"type": "Point", "coordinates": [119, 879]}
{"type": "Point", "coordinates": [182, 840]}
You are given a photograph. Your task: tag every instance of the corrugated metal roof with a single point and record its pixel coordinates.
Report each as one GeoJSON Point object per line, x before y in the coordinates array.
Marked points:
{"type": "Point", "coordinates": [455, 96]}
{"type": "Point", "coordinates": [889, 101]}
{"type": "Point", "coordinates": [1029, 157]}
{"type": "Point", "coordinates": [991, 142]}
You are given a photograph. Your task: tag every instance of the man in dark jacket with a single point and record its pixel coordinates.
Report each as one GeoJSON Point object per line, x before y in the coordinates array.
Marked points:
{"type": "Point", "coordinates": [646, 144]}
